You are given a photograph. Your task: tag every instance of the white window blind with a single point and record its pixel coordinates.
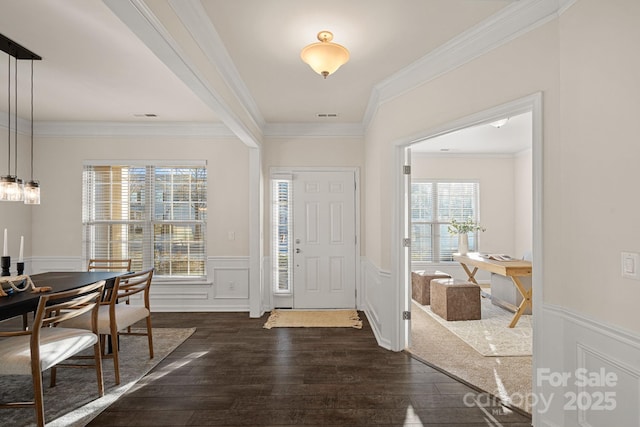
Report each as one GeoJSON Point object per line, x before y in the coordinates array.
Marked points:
{"type": "Point", "coordinates": [155, 215]}
{"type": "Point", "coordinates": [281, 233]}
{"type": "Point", "coordinates": [433, 205]}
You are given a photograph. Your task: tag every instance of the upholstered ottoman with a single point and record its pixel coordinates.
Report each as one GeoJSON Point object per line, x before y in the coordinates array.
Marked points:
{"type": "Point", "coordinates": [420, 285]}
{"type": "Point", "coordinates": [454, 299]}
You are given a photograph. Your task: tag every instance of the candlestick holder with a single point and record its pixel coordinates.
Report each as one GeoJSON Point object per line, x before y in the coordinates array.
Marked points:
{"type": "Point", "coordinates": [20, 266]}
{"type": "Point", "coordinates": [5, 264]}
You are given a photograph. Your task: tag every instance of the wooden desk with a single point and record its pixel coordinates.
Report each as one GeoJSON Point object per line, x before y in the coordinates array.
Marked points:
{"type": "Point", "coordinates": [24, 302]}
{"type": "Point", "coordinates": [513, 269]}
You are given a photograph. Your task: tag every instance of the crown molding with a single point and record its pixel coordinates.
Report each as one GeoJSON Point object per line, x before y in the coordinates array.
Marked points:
{"type": "Point", "coordinates": [136, 15]}
{"type": "Point", "coordinates": [131, 129]}
{"type": "Point", "coordinates": [194, 18]}
{"type": "Point", "coordinates": [24, 126]}
{"type": "Point", "coordinates": [506, 25]}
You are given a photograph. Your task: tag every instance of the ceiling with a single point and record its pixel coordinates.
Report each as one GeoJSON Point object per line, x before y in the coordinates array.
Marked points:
{"type": "Point", "coordinates": [96, 68]}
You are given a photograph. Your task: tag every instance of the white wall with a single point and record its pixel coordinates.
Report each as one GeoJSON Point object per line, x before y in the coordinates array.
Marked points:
{"type": "Point", "coordinates": [585, 65]}
{"type": "Point", "coordinates": [57, 222]}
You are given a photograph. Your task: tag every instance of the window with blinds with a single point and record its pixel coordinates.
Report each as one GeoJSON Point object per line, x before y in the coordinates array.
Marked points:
{"type": "Point", "coordinates": [154, 214]}
{"type": "Point", "coordinates": [433, 205]}
{"type": "Point", "coordinates": [281, 234]}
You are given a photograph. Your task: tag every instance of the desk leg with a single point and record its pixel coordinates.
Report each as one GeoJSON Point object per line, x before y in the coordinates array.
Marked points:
{"type": "Point", "coordinates": [471, 274]}
{"type": "Point", "coordinates": [526, 300]}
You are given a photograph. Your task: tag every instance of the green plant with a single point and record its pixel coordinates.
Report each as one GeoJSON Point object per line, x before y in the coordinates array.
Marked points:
{"type": "Point", "coordinates": [465, 227]}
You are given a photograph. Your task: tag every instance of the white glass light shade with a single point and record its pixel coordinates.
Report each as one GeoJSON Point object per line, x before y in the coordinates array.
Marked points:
{"type": "Point", "coordinates": [325, 57]}
{"type": "Point", "coordinates": [11, 189]}
{"type": "Point", "coordinates": [499, 123]}
{"type": "Point", "coordinates": [32, 193]}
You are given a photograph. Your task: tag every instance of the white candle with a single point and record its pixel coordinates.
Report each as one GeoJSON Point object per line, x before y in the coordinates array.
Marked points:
{"type": "Point", "coordinates": [5, 252]}
{"type": "Point", "coordinates": [21, 257]}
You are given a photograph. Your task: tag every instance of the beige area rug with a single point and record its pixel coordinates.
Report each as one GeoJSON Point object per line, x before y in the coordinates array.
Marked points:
{"type": "Point", "coordinates": [313, 319]}
{"type": "Point", "coordinates": [73, 401]}
{"type": "Point", "coordinates": [491, 335]}
{"type": "Point", "coordinates": [508, 378]}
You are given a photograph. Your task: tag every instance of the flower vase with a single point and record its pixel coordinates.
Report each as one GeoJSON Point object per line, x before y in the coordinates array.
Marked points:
{"type": "Point", "coordinates": [463, 244]}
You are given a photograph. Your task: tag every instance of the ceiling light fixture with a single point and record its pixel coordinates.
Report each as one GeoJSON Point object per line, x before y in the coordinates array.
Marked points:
{"type": "Point", "coordinates": [325, 57]}
{"type": "Point", "coordinates": [11, 187]}
{"type": "Point", "coordinates": [499, 123]}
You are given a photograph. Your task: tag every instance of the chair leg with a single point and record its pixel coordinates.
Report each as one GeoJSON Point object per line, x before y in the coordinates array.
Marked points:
{"type": "Point", "coordinates": [150, 337]}
{"type": "Point", "coordinates": [97, 356]}
{"type": "Point", "coordinates": [38, 399]}
{"type": "Point", "coordinates": [52, 380]}
{"type": "Point", "coordinates": [114, 353]}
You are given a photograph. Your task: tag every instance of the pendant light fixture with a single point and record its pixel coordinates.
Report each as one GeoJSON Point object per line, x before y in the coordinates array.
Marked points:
{"type": "Point", "coordinates": [32, 188]}
{"type": "Point", "coordinates": [325, 57]}
{"type": "Point", "coordinates": [11, 187]}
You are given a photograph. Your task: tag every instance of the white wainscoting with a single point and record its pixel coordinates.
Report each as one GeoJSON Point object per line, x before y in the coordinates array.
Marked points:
{"type": "Point", "coordinates": [377, 295]}
{"type": "Point", "coordinates": [578, 346]}
{"type": "Point", "coordinates": [227, 287]}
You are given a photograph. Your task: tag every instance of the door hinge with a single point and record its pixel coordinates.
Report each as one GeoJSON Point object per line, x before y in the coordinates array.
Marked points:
{"type": "Point", "coordinates": [406, 170]}
{"type": "Point", "coordinates": [406, 315]}
{"type": "Point", "coordinates": [406, 242]}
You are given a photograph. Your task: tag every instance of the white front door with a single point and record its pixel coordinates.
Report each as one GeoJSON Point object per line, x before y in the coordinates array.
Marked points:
{"type": "Point", "coordinates": [324, 240]}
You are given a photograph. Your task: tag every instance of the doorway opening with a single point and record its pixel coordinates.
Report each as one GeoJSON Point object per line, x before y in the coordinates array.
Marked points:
{"type": "Point", "coordinates": [509, 180]}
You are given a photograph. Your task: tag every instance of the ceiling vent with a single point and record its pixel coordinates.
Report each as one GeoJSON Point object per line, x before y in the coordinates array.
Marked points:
{"type": "Point", "coordinates": [327, 115]}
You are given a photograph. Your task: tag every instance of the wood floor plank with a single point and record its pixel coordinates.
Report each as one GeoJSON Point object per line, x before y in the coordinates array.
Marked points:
{"type": "Point", "coordinates": [232, 372]}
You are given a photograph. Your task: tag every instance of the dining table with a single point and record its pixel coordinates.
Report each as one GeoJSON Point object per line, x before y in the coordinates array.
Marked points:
{"type": "Point", "coordinates": [21, 303]}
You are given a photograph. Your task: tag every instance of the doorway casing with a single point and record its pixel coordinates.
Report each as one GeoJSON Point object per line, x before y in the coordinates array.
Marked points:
{"type": "Point", "coordinates": [401, 274]}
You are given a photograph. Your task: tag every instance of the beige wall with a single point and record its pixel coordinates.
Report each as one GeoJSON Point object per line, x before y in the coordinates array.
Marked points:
{"type": "Point", "coordinates": [57, 221]}
{"type": "Point", "coordinates": [523, 197]}
{"type": "Point", "coordinates": [585, 65]}
{"type": "Point", "coordinates": [16, 216]}
{"type": "Point", "coordinates": [310, 152]}
{"type": "Point", "coordinates": [599, 149]}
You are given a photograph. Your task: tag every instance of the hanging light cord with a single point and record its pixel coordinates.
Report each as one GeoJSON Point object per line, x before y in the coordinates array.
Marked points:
{"type": "Point", "coordinates": [9, 114]}
{"type": "Point", "coordinates": [15, 169]}
{"type": "Point", "coordinates": [32, 120]}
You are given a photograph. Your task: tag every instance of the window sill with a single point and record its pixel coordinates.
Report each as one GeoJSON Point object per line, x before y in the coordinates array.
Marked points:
{"type": "Point", "coordinates": [178, 282]}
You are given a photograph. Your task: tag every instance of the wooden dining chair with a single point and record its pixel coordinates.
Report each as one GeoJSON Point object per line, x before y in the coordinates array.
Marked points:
{"type": "Point", "coordinates": [114, 319]}
{"type": "Point", "coordinates": [105, 264]}
{"type": "Point", "coordinates": [46, 345]}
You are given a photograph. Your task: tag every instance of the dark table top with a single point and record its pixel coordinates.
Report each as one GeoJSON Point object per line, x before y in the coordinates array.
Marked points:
{"type": "Point", "coordinates": [24, 302]}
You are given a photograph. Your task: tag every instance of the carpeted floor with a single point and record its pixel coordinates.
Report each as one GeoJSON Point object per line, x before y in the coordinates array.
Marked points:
{"type": "Point", "coordinates": [508, 378]}
{"type": "Point", "coordinates": [73, 401]}
{"type": "Point", "coordinates": [490, 335]}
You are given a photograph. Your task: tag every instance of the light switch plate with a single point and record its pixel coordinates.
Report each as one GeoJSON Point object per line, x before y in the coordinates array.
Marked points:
{"type": "Point", "coordinates": [630, 265]}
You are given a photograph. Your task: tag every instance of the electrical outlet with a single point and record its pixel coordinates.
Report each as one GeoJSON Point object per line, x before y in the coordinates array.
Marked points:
{"type": "Point", "coordinates": [630, 267]}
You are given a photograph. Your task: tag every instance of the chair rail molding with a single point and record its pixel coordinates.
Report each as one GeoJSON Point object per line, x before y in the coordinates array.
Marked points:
{"type": "Point", "coordinates": [225, 289]}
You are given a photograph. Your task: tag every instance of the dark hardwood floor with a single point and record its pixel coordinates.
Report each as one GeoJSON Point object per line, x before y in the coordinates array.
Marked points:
{"type": "Point", "coordinates": [232, 372]}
